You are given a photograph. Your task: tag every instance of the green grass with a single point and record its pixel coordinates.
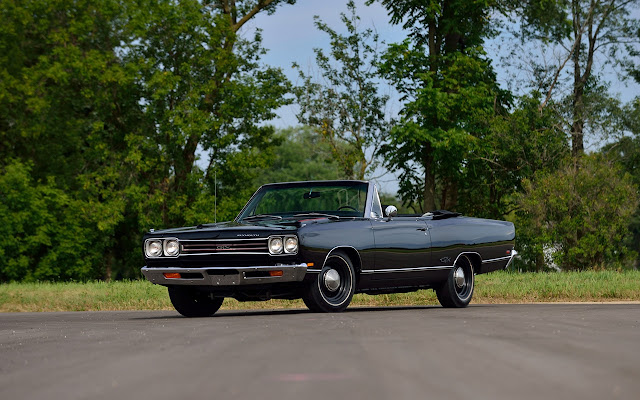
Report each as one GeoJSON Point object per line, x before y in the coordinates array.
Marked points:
{"type": "Point", "coordinates": [498, 287]}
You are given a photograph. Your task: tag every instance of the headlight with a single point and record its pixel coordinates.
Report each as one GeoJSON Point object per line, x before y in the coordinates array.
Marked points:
{"type": "Point", "coordinates": [153, 248]}
{"type": "Point", "coordinates": [291, 244]}
{"type": "Point", "coordinates": [171, 247]}
{"type": "Point", "coordinates": [275, 245]}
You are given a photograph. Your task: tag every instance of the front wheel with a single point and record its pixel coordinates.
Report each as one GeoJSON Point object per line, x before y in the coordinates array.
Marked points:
{"type": "Point", "coordinates": [457, 291]}
{"type": "Point", "coordinates": [333, 289]}
{"type": "Point", "coordinates": [193, 303]}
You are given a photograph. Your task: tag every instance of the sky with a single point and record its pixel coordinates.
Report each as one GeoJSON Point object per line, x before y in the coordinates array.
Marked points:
{"type": "Point", "coordinates": [290, 36]}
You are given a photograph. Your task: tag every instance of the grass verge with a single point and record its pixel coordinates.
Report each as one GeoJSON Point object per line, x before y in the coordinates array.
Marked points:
{"type": "Point", "coordinates": [498, 287]}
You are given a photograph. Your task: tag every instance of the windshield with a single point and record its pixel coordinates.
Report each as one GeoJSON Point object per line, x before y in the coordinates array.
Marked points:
{"type": "Point", "coordinates": [342, 199]}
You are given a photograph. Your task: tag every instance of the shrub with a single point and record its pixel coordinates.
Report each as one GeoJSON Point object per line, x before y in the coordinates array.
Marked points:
{"type": "Point", "coordinates": [577, 216]}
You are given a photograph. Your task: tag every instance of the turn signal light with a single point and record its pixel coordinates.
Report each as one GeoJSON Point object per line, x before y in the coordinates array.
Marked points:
{"type": "Point", "coordinates": [275, 273]}
{"type": "Point", "coordinates": [172, 275]}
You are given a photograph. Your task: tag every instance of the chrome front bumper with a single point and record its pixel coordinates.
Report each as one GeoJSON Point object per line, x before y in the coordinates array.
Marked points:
{"type": "Point", "coordinates": [226, 276]}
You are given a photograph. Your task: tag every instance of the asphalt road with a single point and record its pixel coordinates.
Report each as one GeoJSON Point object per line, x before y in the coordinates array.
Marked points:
{"type": "Point", "coordinates": [483, 352]}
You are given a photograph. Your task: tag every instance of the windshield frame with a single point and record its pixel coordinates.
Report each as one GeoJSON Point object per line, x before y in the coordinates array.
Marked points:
{"type": "Point", "coordinates": [368, 201]}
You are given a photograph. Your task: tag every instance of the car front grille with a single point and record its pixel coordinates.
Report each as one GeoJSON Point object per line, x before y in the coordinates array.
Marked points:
{"type": "Point", "coordinates": [224, 246]}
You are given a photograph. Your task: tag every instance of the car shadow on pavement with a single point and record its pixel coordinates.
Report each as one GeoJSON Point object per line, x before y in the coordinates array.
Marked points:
{"type": "Point", "coordinates": [292, 311]}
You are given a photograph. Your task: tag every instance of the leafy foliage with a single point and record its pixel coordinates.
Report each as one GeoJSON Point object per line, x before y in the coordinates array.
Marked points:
{"type": "Point", "coordinates": [516, 146]}
{"type": "Point", "coordinates": [121, 115]}
{"type": "Point", "coordinates": [343, 104]}
{"type": "Point", "coordinates": [441, 124]}
{"type": "Point", "coordinates": [105, 106]}
{"type": "Point", "coordinates": [46, 236]}
{"type": "Point", "coordinates": [449, 93]}
{"type": "Point", "coordinates": [302, 155]}
{"type": "Point", "coordinates": [577, 31]}
{"type": "Point", "coordinates": [578, 217]}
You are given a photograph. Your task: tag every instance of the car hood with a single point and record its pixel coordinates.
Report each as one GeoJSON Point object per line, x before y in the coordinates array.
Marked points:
{"type": "Point", "coordinates": [225, 230]}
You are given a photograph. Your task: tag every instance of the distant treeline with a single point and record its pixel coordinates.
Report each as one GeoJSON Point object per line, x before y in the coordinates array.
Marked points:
{"type": "Point", "coordinates": [117, 116]}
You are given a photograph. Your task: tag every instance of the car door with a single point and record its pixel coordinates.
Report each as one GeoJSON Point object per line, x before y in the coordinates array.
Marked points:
{"type": "Point", "coordinates": [402, 247]}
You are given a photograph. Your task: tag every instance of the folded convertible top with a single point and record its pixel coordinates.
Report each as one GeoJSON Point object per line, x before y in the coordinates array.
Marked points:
{"type": "Point", "coordinates": [442, 214]}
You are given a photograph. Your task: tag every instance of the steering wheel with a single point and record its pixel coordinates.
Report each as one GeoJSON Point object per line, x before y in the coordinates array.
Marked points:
{"type": "Point", "coordinates": [353, 208]}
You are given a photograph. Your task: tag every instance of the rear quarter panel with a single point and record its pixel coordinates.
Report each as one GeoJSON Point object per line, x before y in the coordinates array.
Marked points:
{"type": "Point", "coordinates": [491, 239]}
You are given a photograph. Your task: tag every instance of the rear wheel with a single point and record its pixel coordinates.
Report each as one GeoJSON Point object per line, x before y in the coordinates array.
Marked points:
{"type": "Point", "coordinates": [194, 303]}
{"type": "Point", "coordinates": [333, 289]}
{"type": "Point", "coordinates": [457, 291]}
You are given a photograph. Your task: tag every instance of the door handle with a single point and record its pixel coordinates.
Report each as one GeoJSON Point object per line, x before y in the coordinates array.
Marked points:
{"type": "Point", "coordinates": [422, 229]}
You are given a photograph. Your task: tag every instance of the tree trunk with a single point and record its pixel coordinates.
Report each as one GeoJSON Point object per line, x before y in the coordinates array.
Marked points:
{"type": "Point", "coordinates": [540, 262]}
{"type": "Point", "coordinates": [429, 178]}
{"type": "Point", "coordinates": [452, 196]}
{"type": "Point", "coordinates": [577, 125]}
{"type": "Point", "coordinates": [109, 266]}
{"type": "Point", "coordinates": [429, 201]}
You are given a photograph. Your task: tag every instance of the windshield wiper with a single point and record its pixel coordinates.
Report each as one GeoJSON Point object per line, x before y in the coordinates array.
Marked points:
{"type": "Point", "coordinates": [315, 214]}
{"type": "Point", "coordinates": [261, 216]}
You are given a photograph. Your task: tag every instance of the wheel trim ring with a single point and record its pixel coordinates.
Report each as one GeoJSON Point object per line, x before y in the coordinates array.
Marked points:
{"type": "Point", "coordinates": [342, 293]}
{"type": "Point", "coordinates": [465, 291]}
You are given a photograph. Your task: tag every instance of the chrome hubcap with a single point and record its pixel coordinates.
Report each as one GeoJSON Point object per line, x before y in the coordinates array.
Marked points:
{"type": "Point", "coordinates": [332, 280]}
{"type": "Point", "coordinates": [458, 277]}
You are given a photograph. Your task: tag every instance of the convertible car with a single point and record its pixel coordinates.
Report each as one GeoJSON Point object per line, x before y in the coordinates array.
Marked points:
{"type": "Point", "coordinates": [323, 241]}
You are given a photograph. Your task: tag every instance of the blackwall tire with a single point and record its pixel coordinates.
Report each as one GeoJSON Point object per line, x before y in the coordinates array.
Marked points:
{"type": "Point", "coordinates": [193, 303]}
{"type": "Point", "coordinates": [333, 289]}
{"type": "Point", "coordinates": [457, 291]}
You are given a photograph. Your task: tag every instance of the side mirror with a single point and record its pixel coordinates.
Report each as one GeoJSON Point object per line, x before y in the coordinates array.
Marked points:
{"type": "Point", "coordinates": [390, 211]}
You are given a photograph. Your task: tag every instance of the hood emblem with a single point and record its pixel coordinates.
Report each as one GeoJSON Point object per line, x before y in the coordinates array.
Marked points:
{"type": "Point", "coordinates": [248, 235]}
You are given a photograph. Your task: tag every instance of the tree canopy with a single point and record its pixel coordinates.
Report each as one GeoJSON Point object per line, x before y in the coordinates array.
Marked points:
{"type": "Point", "coordinates": [117, 116]}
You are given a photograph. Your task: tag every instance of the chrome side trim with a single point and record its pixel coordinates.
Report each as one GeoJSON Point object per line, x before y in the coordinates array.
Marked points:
{"type": "Point", "coordinates": [416, 269]}
{"type": "Point", "coordinates": [496, 259]}
{"type": "Point", "coordinates": [467, 252]}
{"type": "Point", "coordinates": [336, 248]}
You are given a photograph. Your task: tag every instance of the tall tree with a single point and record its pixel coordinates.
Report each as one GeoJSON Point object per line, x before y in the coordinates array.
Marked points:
{"type": "Point", "coordinates": [519, 144]}
{"type": "Point", "coordinates": [104, 107]}
{"type": "Point", "coordinates": [203, 86]}
{"type": "Point", "coordinates": [588, 35]}
{"type": "Point", "coordinates": [343, 103]}
{"type": "Point", "coordinates": [301, 155]}
{"type": "Point", "coordinates": [449, 93]}
{"type": "Point", "coordinates": [66, 107]}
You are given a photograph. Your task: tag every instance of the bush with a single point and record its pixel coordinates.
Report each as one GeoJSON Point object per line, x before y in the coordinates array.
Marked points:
{"type": "Point", "coordinates": [577, 217]}
{"type": "Point", "coordinates": [45, 236]}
